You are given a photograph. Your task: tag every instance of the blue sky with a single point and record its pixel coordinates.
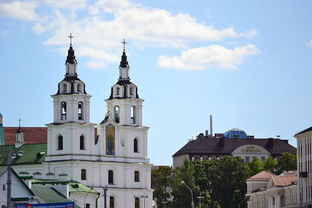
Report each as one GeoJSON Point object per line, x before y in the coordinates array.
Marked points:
{"type": "Point", "coordinates": [248, 63]}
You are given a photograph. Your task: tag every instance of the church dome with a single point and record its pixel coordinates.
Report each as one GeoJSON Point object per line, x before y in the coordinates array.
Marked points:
{"type": "Point", "coordinates": [235, 133]}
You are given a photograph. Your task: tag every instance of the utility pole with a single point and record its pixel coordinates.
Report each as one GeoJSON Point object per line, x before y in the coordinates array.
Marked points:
{"type": "Point", "coordinates": [105, 194]}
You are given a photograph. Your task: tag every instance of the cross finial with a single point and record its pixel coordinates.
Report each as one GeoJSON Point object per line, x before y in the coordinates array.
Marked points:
{"type": "Point", "coordinates": [70, 38]}
{"type": "Point", "coordinates": [124, 44]}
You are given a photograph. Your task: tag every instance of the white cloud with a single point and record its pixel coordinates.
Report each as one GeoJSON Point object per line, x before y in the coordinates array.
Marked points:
{"type": "Point", "coordinates": [205, 57]}
{"type": "Point", "coordinates": [19, 10]}
{"type": "Point", "coordinates": [309, 44]}
{"type": "Point", "coordinates": [99, 26]}
{"type": "Point", "coordinates": [66, 4]}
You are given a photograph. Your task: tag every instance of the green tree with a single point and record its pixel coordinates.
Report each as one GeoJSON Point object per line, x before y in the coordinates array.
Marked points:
{"type": "Point", "coordinates": [286, 162]}
{"type": "Point", "coordinates": [181, 195]}
{"type": "Point", "coordinates": [161, 183]}
{"type": "Point", "coordinates": [270, 164]}
{"type": "Point", "coordinates": [255, 166]}
{"type": "Point", "coordinates": [230, 187]}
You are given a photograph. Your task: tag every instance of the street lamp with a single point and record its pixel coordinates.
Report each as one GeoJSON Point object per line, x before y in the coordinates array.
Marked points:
{"type": "Point", "coordinates": [10, 156]}
{"type": "Point", "coordinates": [192, 203]}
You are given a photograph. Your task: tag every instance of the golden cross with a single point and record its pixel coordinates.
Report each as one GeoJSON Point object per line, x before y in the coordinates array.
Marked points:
{"type": "Point", "coordinates": [124, 44]}
{"type": "Point", "coordinates": [71, 38]}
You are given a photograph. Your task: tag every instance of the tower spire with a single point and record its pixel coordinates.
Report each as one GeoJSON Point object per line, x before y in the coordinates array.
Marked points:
{"type": "Point", "coordinates": [124, 61]}
{"type": "Point", "coordinates": [71, 59]}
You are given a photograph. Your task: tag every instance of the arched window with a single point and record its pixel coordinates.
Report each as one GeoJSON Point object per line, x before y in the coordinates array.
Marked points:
{"type": "Point", "coordinates": [131, 90]}
{"type": "Point", "coordinates": [79, 88]}
{"type": "Point", "coordinates": [116, 113]}
{"type": "Point", "coordinates": [83, 174]}
{"type": "Point", "coordinates": [136, 176]}
{"type": "Point", "coordinates": [82, 143]}
{"type": "Point", "coordinates": [117, 91]}
{"type": "Point", "coordinates": [137, 202]}
{"type": "Point", "coordinates": [80, 107]}
{"type": "Point", "coordinates": [111, 202]}
{"type": "Point", "coordinates": [135, 145]}
{"type": "Point", "coordinates": [60, 142]}
{"type": "Point", "coordinates": [64, 87]}
{"type": "Point", "coordinates": [63, 110]}
{"type": "Point", "coordinates": [110, 177]}
{"type": "Point", "coordinates": [133, 114]}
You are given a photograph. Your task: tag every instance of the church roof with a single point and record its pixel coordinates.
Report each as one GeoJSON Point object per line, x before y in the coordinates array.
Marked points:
{"type": "Point", "coordinates": [46, 194]}
{"type": "Point", "coordinates": [220, 146]}
{"type": "Point", "coordinates": [32, 135]}
{"type": "Point", "coordinates": [33, 154]}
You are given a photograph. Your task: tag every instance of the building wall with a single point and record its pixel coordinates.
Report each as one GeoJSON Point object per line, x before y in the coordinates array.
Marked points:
{"type": "Point", "coordinates": [304, 164]}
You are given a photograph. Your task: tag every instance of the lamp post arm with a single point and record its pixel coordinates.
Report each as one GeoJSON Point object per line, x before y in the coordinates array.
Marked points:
{"type": "Point", "coordinates": [192, 204]}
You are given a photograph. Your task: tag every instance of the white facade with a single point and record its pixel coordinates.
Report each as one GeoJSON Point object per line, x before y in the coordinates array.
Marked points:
{"type": "Point", "coordinates": [114, 155]}
{"type": "Point", "coordinates": [248, 152]}
{"type": "Point", "coordinates": [304, 165]}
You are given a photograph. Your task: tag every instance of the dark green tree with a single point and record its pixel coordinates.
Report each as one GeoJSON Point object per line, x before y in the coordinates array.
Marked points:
{"type": "Point", "coordinates": [229, 188]}
{"type": "Point", "coordinates": [286, 162]}
{"type": "Point", "coordinates": [270, 164]}
{"type": "Point", "coordinates": [181, 195]}
{"type": "Point", "coordinates": [161, 183]}
{"type": "Point", "coordinates": [255, 166]}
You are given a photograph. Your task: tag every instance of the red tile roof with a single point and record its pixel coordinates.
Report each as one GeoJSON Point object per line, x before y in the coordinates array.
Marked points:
{"type": "Point", "coordinates": [262, 175]}
{"type": "Point", "coordinates": [281, 181]}
{"type": "Point", "coordinates": [32, 135]}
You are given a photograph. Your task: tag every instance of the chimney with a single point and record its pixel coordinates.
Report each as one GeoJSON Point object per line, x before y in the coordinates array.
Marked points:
{"type": "Point", "coordinates": [211, 133]}
{"type": "Point", "coordinates": [206, 133]}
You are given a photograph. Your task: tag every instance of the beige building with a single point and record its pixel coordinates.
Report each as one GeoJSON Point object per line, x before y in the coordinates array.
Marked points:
{"type": "Point", "coordinates": [267, 190]}
{"type": "Point", "coordinates": [304, 164]}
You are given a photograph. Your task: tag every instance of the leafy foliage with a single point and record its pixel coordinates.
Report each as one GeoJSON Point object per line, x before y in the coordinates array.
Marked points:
{"type": "Point", "coordinates": [216, 183]}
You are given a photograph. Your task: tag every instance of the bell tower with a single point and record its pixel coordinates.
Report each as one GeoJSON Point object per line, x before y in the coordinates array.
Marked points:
{"type": "Point", "coordinates": [71, 130]}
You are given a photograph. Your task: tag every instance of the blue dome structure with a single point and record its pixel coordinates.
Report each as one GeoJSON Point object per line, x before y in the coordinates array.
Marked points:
{"type": "Point", "coordinates": [235, 133]}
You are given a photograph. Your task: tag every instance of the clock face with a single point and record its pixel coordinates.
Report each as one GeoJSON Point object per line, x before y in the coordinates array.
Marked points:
{"type": "Point", "coordinates": [110, 140]}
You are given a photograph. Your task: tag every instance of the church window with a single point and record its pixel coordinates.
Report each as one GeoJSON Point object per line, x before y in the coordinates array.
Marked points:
{"type": "Point", "coordinates": [83, 174]}
{"type": "Point", "coordinates": [116, 113]}
{"type": "Point", "coordinates": [87, 205]}
{"type": "Point", "coordinates": [80, 107]}
{"type": "Point", "coordinates": [136, 176]}
{"type": "Point", "coordinates": [131, 90]}
{"type": "Point", "coordinates": [64, 87]}
{"type": "Point", "coordinates": [110, 139]}
{"type": "Point", "coordinates": [63, 111]}
{"type": "Point", "coordinates": [60, 142]}
{"type": "Point", "coordinates": [82, 143]}
{"type": "Point", "coordinates": [110, 177]}
{"type": "Point", "coordinates": [135, 145]}
{"type": "Point", "coordinates": [133, 114]}
{"type": "Point", "coordinates": [117, 91]}
{"type": "Point", "coordinates": [79, 88]}
{"type": "Point", "coordinates": [111, 202]}
{"type": "Point", "coordinates": [137, 202]}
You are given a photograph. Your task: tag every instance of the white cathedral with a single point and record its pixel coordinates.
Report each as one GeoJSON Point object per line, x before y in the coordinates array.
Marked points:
{"type": "Point", "coordinates": [109, 156]}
